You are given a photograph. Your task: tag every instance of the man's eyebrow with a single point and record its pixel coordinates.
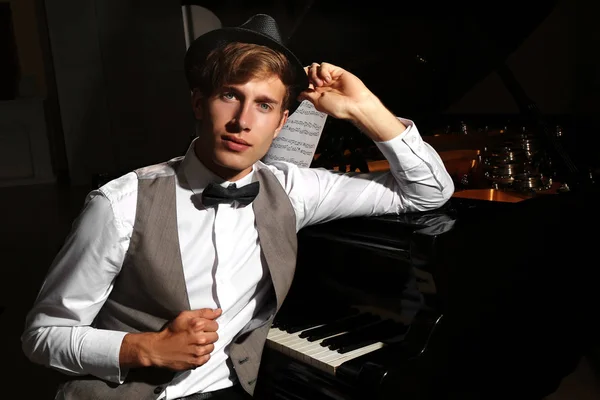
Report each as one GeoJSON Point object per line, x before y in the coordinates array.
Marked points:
{"type": "Point", "coordinates": [259, 99]}
{"type": "Point", "coordinates": [266, 99]}
{"type": "Point", "coordinates": [229, 88]}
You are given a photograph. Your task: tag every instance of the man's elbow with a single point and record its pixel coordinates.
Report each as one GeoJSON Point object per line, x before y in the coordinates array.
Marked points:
{"type": "Point", "coordinates": [28, 348]}
{"type": "Point", "coordinates": [447, 192]}
{"type": "Point", "coordinates": [435, 199]}
{"type": "Point", "coordinates": [34, 348]}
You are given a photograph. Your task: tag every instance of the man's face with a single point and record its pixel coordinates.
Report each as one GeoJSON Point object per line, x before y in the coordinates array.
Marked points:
{"type": "Point", "coordinates": [238, 124]}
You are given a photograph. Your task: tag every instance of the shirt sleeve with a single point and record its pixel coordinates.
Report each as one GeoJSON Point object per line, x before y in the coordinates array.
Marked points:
{"type": "Point", "coordinates": [58, 332]}
{"type": "Point", "coordinates": [417, 180]}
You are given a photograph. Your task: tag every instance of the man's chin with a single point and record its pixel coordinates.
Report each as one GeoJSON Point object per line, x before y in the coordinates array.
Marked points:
{"type": "Point", "coordinates": [234, 166]}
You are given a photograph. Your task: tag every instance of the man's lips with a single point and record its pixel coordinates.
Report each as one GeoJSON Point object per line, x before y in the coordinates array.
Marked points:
{"type": "Point", "coordinates": [236, 139]}
{"type": "Point", "coordinates": [235, 143]}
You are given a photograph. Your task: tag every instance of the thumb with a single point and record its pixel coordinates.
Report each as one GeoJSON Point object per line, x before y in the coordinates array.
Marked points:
{"type": "Point", "coordinates": [310, 95]}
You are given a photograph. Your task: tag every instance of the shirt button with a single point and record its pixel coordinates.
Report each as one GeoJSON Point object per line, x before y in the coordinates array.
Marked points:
{"type": "Point", "coordinates": [158, 390]}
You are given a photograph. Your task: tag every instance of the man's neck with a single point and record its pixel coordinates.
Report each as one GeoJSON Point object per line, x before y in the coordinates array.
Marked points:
{"type": "Point", "coordinates": [226, 174]}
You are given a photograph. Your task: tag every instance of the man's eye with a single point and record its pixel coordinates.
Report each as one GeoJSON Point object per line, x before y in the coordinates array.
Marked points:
{"type": "Point", "coordinates": [229, 96]}
{"type": "Point", "coordinates": [265, 106]}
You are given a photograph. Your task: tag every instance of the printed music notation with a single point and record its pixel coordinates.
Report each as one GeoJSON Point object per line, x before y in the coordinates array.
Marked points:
{"type": "Point", "coordinates": [299, 137]}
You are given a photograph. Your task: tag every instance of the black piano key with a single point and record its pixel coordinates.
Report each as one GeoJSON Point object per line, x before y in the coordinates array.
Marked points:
{"type": "Point", "coordinates": [351, 333]}
{"type": "Point", "coordinates": [313, 319]}
{"type": "Point", "coordinates": [297, 327]}
{"type": "Point", "coordinates": [324, 319]}
{"type": "Point", "coordinates": [339, 326]}
{"type": "Point", "coordinates": [394, 330]}
{"type": "Point", "coordinates": [296, 319]}
{"type": "Point", "coordinates": [357, 345]}
{"type": "Point", "coordinates": [341, 340]}
{"type": "Point", "coordinates": [377, 330]}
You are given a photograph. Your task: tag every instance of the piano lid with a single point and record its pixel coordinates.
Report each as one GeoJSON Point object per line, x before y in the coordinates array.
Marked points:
{"type": "Point", "coordinates": [417, 57]}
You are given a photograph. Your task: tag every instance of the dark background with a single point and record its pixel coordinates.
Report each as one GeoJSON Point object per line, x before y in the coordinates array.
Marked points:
{"type": "Point", "coordinates": [96, 87]}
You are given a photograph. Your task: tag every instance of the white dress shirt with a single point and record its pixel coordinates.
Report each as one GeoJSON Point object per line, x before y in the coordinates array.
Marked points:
{"type": "Point", "coordinates": [226, 271]}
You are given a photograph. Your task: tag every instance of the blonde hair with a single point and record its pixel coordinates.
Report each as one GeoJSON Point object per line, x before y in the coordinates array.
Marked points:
{"type": "Point", "coordinates": [237, 63]}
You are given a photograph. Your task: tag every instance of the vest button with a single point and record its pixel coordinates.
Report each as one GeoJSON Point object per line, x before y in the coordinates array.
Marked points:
{"type": "Point", "coordinates": [158, 390]}
{"type": "Point", "coordinates": [243, 360]}
{"type": "Point", "coordinates": [250, 383]}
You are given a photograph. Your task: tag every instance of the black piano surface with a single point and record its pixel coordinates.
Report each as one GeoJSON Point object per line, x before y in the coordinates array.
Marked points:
{"type": "Point", "coordinates": [488, 299]}
{"type": "Point", "coordinates": [382, 267]}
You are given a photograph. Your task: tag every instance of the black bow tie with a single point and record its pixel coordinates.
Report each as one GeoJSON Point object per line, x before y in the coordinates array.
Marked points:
{"type": "Point", "coordinates": [217, 194]}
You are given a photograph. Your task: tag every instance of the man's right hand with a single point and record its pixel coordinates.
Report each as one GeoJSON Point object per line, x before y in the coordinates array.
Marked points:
{"type": "Point", "coordinates": [185, 343]}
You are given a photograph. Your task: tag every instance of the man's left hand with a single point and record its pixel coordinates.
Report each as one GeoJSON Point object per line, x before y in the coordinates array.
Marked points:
{"type": "Point", "coordinates": [340, 94]}
{"type": "Point", "coordinates": [335, 91]}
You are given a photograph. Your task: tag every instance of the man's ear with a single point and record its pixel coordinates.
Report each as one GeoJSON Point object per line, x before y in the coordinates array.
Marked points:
{"type": "Point", "coordinates": [284, 118]}
{"type": "Point", "coordinates": [197, 104]}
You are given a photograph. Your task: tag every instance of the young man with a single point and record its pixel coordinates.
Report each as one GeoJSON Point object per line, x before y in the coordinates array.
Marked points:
{"type": "Point", "coordinates": [171, 277]}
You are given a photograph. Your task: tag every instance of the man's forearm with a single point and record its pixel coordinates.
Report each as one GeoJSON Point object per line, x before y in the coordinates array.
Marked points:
{"type": "Point", "coordinates": [376, 121]}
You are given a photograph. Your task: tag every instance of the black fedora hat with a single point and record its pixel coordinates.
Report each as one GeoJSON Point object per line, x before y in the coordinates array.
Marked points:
{"type": "Point", "coordinates": [259, 29]}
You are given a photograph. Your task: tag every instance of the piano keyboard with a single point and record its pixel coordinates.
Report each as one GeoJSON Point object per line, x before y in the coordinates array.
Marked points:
{"type": "Point", "coordinates": [328, 345]}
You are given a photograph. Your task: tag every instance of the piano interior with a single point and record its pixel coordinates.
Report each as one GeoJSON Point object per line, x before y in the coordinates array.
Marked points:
{"type": "Point", "coordinates": [484, 298]}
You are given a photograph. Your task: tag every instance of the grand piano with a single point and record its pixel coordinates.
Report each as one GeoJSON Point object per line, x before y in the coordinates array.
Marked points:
{"type": "Point", "coordinates": [490, 296]}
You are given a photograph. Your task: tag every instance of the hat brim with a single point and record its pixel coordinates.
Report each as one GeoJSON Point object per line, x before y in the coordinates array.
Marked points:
{"type": "Point", "coordinates": [204, 44]}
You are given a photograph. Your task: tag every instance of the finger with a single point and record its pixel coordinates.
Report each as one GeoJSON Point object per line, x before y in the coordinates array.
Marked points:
{"type": "Point", "coordinates": [208, 313]}
{"type": "Point", "coordinates": [329, 72]}
{"type": "Point", "coordinates": [205, 338]}
{"type": "Point", "coordinates": [308, 73]}
{"type": "Point", "coordinates": [310, 95]}
{"type": "Point", "coordinates": [201, 351]}
{"type": "Point", "coordinates": [324, 72]}
{"type": "Point", "coordinates": [313, 75]}
{"type": "Point", "coordinates": [201, 360]}
{"type": "Point", "coordinates": [204, 325]}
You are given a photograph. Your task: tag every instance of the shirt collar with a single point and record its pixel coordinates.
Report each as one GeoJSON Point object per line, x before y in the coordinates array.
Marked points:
{"type": "Point", "coordinates": [198, 176]}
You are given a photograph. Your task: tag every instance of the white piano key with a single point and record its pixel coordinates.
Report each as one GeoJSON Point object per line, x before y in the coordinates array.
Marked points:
{"type": "Point", "coordinates": [288, 339]}
{"type": "Point", "coordinates": [330, 363]}
{"type": "Point", "coordinates": [357, 353]}
{"type": "Point", "coordinates": [275, 332]}
{"type": "Point", "coordinates": [313, 353]}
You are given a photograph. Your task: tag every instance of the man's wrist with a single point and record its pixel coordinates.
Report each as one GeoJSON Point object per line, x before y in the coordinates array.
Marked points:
{"type": "Point", "coordinates": [375, 120]}
{"type": "Point", "coordinates": [136, 350]}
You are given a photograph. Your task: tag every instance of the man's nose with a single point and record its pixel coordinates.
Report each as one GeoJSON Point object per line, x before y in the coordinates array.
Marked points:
{"type": "Point", "coordinates": [244, 116]}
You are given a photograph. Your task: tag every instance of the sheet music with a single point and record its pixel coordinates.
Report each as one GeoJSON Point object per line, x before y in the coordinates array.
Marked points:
{"type": "Point", "coordinates": [299, 137]}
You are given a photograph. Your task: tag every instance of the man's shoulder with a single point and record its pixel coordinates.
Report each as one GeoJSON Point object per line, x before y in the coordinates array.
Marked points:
{"type": "Point", "coordinates": [125, 186]}
{"type": "Point", "coordinates": [278, 168]}
{"type": "Point", "coordinates": [288, 172]}
{"type": "Point", "coordinates": [160, 170]}
{"type": "Point", "coordinates": [292, 177]}
{"type": "Point", "coordinates": [119, 189]}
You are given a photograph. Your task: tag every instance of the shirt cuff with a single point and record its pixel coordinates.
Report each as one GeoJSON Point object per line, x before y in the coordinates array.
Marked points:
{"type": "Point", "coordinates": [404, 151]}
{"type": "Point", "coordinates": [100, 354]}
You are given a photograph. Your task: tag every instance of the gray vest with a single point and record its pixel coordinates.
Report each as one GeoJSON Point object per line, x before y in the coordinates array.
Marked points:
{"type": "Point", "coordinates": [153, 269]}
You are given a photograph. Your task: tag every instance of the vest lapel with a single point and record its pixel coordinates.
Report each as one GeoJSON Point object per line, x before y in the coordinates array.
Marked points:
{"type": "Point", "coordinates": [276, 225]}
